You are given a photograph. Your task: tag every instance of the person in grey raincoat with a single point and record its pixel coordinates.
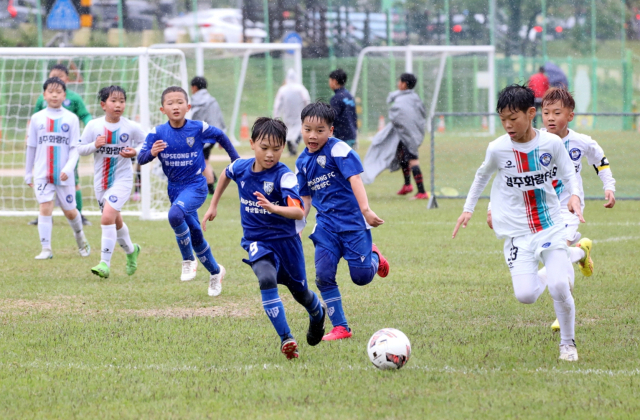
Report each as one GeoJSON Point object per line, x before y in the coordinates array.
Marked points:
{"type": "Point", "coordinates": [396, 146]}
{"type": "Point", "coordinates": [204, 107]}
{"type": "Point", "coordinates": [291, 98]}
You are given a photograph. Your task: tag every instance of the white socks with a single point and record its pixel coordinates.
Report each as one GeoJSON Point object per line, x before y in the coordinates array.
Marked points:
{"type": "Point", "coordinates": [124, 240]}
{"type": "Point", "coordinates": [558, 279]}
{"type": "Point", "coordinates": [576, 254]}
{"type": "Point", "coordinates": [76, 225]}
{"type": "Point", "coordinates": [108, 243]}
{"type": "Point", "coordinates": [45, 225]}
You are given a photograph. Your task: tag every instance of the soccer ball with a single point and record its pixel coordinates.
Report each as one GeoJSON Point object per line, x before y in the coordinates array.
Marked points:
{"type": "Point", "coordinates": [389, 349]}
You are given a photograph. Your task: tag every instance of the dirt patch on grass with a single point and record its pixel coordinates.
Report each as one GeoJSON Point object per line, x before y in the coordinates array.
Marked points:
{"type": "Point", "coordinates": [64, 304]}
{"type": "Point", "coordinates": [227, 309]}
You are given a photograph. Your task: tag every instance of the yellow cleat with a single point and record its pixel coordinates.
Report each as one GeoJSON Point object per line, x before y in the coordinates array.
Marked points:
{"type": "Point", "coordinates": [586, 264]}
{"type": "Point", "coordinates": [556, 325]}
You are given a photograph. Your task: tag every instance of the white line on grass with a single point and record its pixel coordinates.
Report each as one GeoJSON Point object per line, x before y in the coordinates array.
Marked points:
{"type": "Point", "coordinates": [617, 239]}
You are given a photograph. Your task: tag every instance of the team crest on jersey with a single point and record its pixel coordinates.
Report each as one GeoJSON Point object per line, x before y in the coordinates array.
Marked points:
{"type": "Point", "coordinates": [268, 187]}
{"type": "Point", "coordinates": [113, 198]}
{"type": "Point", "coordinates": [67, 102]}
{"type": "Point", "coordinates": [69, 199]}
{"type": "Point", "coordinates": [545, 159]}
{"type": "Point", "coordinates": [190, 141]}
{"type": "Point", "coordinates": [575, 154]}
{"type": "Point", "coordinates": [124, 137]}
{"type": "Point", "coordinates": [322, 160]}
{"type": "Point", "coordinates": [64, 127]}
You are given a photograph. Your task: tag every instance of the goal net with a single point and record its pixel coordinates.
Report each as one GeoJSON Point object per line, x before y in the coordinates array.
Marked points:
{"type": "Point", "coordinates": [144, 73]}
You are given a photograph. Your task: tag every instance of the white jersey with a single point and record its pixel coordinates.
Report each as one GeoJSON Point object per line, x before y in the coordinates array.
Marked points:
{"type": "Point", "coordinates": [523, 199]}
{"type": "Point", "coordinates": [110, 167]}
{"type": "Point", "coordinates": [54, 134]}
{"type": "Point", "coordinates": [579, 146]}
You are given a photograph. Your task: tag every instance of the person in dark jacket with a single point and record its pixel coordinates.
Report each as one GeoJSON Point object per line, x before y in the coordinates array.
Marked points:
{"type": "Point", "coordinates": [345, 126]}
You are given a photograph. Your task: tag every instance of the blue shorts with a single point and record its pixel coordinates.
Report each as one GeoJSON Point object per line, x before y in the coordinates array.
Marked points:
{"type": "Point", "coordinates": [287, 256]}
{"type": "Point", "coordinates": [190, 197]}
{"type": "Point", "coordinates": [354, 246]}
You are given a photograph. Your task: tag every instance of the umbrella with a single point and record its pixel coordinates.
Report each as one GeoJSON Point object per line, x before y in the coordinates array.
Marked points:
{"type": "Point", "coordinates": [556, 76]}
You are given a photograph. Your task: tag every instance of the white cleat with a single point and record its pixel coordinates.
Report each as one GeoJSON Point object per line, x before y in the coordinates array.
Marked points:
{"type": "Point", "coordinates": [84, 249]}
{"type": "Point", "coordinates": [215, 282]}
{"type": "Point", "coordinates": [189, 268]}
{"type": "Point", "coordinates": [568, 352]}
{"type": "Point", "coordinates": [46, 254]}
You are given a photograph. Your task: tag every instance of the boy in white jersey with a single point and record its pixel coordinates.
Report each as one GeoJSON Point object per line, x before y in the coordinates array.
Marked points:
{"type": "Point", "coordinates": [52, 154]}
{"type": "Point", "coordinates": [526, 209]}
{"type": "Point", "coordinates": [112, 139]}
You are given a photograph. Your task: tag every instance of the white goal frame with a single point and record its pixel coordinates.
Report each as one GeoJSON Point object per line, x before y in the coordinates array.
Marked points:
{"type": "Point", "coordinates": [142, 101]}
{"type": "Point", "coordinates": [249, 50]}
{"type": "Point", "coordinates": [444, 51]}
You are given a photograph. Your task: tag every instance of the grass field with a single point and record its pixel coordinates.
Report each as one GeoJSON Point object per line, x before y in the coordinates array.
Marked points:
{"type": "Point", "coordinates": [149, 346]}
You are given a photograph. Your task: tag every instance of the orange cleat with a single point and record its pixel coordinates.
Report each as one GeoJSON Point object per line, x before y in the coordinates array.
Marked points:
{"type": "Point", "coordinates": [406, 189]}
{"type": "Point", "coordinates": [383, 265]}
{"type": "Point", "coordinates": [421, 196]}
{"type": "Point", "coordinates": [338, 333]}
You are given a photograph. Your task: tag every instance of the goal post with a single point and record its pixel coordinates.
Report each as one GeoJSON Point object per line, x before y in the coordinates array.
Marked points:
{"type": "Point", "coordinates": [143, 72]}
{"type": "Point", "coordinates": [429, 63]}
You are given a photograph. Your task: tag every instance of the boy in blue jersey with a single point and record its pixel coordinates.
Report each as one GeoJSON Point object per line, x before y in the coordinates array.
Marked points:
{"type": "Point", "coordinates": [178, 144]}
{"type": "Point", "coordinates": [272, 218]}
{"type": "Point", "coordinates": [344, 106]}
{"type": "Point", "coordinates": [329, 177]}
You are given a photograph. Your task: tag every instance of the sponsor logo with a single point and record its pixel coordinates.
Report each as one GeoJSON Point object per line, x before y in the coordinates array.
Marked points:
{"type": "Point", "coordinates": [106, 250]}
{"type": "Point", "coordinates": [304, 170]}
{"type": "Point", "coordinates": [545, 159]}
{"type": "Point", "coordinates": [69, 199]}
{"type": "Point", "coordinates": [272, 312]}
{"type": "Point", "coordinates": [190, 141]}
{"type": "Point", "coordinates": [67, 102]}
{"type": "Point", "coordinates": [331, 310]}
{"type": "Point", "coordinates": [575, 154]}
{"type": "Point", "coordinates": [64, 127]}
{"type": "Point", "coordinates": [531, 180]}
{"type": "Point", "coordinates": [362, 258]}
{"type": "Point", "coordinates": [322, 160]}
{"type": "Point", "coordinates": [509, 164]}
{"type": "Point", "coordinates": [124, 137]}
{"type": "Point", "coordinates": [241, 184]}
{"type": "Point", "coordinates": [41, 127]}
{"type": "Point", "coordinates": [179, 203]}
{"type": "Point", "coordinates": [268, 187]}
{"type": "Point", "coordinates": [546, 245]}
{"type": "Point", "coordinates": [113, 198]}
{"type": "Point", "coordinates": [185, 242]}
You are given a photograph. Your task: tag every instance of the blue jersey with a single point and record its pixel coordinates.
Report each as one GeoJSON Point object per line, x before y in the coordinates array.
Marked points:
{"type": "Point", "coordinates": [324, 175]}
{"type": "Point", "coordinates": [183, 160]}
{"type": "Point", "coordinates": [280, 186]}
{"type": "Point", "coordinates": [345, 125]}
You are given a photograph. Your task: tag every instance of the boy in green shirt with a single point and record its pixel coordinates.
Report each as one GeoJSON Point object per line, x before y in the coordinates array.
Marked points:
{"type": "Point", "coordinates": [75, 104]}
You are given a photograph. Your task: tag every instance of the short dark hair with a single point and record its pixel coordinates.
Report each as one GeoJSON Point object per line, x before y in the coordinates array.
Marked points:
{"type": "Point", "coordinates": [172, 89]}
{"type": "Point", "coordinates": [541, 69]}
{"type": "Point", "coordinates": [60, 67]}
{"type": "Point", "coordinates": [516, 98]}
{"type": "Point", "coordinates": [199, 82]}
{"type": "Point", "coordinates": [53, 81]}
{"type": "Point", "coordinates": [409, 79]}
{"type": "Point", "coordinates": [107, 91]}
{"type": "Point", "coordinates": [271, 129]}
{"type": "Point", "coordinates": [561, 95]}
{"type": "Point", "coordinates": [339, 76]}
{"type": "Point", "coordinates": [320, 110]}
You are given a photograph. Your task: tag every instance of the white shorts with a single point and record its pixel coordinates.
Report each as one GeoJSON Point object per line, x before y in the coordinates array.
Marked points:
{"type": "Point", "coordinates": [572, 223]}
{"type": "Point", "coordinates": [65, 194]}
{"type": "Point", "coordinates": [523, 253]}
{"type": "Point", "coordinates": [116, 196]}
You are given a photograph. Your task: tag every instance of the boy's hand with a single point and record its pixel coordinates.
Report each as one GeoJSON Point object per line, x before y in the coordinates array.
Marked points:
{"type": "Point", "coordinates": [101, 141]}
{"type": "Point", "coordinates": [128, 152]}
{"type": "Point", "coordinates": [489, 219]}
{"type": "Point", "coordinates": [611, 199]}
{"type": "Point", "coordinates": [574, 207]}
{"type": "Point", "coordinates": [158, 147]}
{"type": "Point", "coordinates": [64, 177]}
{"type": "Point", "coordinates": [462, 221]}
{"type": "Point", "coordinates": [264, 203]}
{"type": "Point", "coordinates": [209, 215]}
{"type": "Point", "coordinates": [372, 218]}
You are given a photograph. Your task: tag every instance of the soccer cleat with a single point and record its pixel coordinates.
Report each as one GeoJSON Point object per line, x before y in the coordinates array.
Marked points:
{"type": "Point", "coordinates": [101, 270]}
{"type": "Point", "coordinates": [83, 245]}
{"type": "Point", "coordinates": [569, 352]}
{"type": "Point", "coordinates": [215, 282]}
{"type": "Point", "coordinates": [383, 264]}
{"type": "Point", "coordinates": [34, 222]}
{"type": "Point", "coordinates": [406, 189]}
{"type": "Point", "coordinates": [316, 330]}
{"type": "Point", "coordinates": [189, 268]}
{"type": "Point", "coordinates": [289, 348]}
{"type": "Point", "coordinates": [556, 325]}
{"type": "Point", "coordinates": [85, 221]}
{"type": "Point", "coordinates": [338, 333]}
{"type": "Point", "coordinates": [420, 196]}
{"type": "Point", "coordinates": [132, 260]}
{"type": "Point", "coordinates": [46, 254]}
{"type": "Point", "coordinates": [586, 264]}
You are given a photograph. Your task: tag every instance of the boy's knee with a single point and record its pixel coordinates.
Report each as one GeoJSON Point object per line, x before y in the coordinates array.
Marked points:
{"type": "Point", "coordinates": [176, 216]}
{"type": "Point", "coordinates": [266, 273]}
{"type": "Point", "coordinates": [526, 297]}
{"type": "Point", "coordinates": [361, 276]}
{"type": "Point", "coordinates": [326, 267]}
{"type": "Point", "coordinates": [559, 291]}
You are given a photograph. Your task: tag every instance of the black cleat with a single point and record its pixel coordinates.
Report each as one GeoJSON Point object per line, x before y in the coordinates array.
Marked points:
{"type": "Point", "coordinates": [316, 330]}
{"type": "Point", "coordinates": [85, 221]}
{"type": "Point", "coordinates": [34, 222]}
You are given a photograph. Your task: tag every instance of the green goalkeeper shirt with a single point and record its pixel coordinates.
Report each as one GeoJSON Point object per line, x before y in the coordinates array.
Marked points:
{"type": "Point", "coordinates": [73, 103]}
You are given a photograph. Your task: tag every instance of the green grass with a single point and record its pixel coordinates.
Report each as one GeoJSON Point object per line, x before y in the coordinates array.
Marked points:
{"type": "Point", "coordinates": [149, 346]}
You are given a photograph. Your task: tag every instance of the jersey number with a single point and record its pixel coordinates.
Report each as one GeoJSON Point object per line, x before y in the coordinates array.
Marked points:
{"type": "Point", "coordinates": [41, 187]}
{"type": "Point", "coordinates": [253, 248]}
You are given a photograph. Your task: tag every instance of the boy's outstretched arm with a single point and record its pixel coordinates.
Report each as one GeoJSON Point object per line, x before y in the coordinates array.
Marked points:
{"type": "Point", "coordinates": [361, 195]}
{"type": "Point", "coordinates": [212, 211]}
{"type": "Point", "coordinates": [215, 135]}
{"type": "Point", "coordinates": [292, 210]}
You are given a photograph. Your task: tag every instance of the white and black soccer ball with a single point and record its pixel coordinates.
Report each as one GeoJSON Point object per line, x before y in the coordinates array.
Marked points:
{"type": "Point", "coordinates": [389, 349]}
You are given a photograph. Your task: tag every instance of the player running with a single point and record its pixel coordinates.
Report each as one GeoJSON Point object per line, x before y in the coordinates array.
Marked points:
{"type": "Point", "coordinates": [329, 177]}
{"type": "Point", "coordinates": [112, 140]}
{"type": "Point", "coordinates": [526, 210]}
{"type": "Point", "coordinates": [272, 217]}
{"type": "Point", "coordinates": [178, 144]}
{"type": "Point", "coordinates": [52, 153]}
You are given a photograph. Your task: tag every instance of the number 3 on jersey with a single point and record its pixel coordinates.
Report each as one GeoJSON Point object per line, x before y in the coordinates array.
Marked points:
{"type": "Point", "coordinates": [253, 248]}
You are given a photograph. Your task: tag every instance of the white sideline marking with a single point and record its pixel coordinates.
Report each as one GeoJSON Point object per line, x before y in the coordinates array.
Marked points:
{"type": "Point", "coordinates": [617, 239]}
{"type": "Point", "coordinates": [305, 367]}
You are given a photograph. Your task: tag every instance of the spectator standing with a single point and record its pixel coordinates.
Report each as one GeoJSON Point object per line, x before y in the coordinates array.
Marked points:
{"type": "Point", "coordinates": [539, 84]}
{"type": "Point", "coordinates": [290, 100]}
{"type": "Point", "coordinates": [345, 125]}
